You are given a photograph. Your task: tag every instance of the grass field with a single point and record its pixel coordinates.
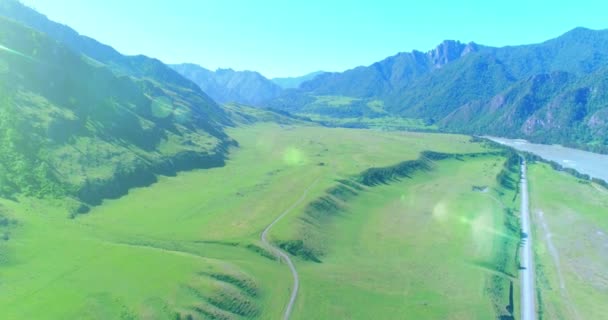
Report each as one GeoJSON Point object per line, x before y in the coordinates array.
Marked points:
{"type": "Point", "coordinates": [421, 248]}
{"type": "Point", "coordinates": [189, 245]}
{"type": "Point", "coordinates": [385, 123]}
{"type": "Point", "coordinates": [572, 244]}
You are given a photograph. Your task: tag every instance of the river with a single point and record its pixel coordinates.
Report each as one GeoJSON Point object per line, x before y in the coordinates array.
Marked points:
{"type": "Point", "coordinates": [593, 164]}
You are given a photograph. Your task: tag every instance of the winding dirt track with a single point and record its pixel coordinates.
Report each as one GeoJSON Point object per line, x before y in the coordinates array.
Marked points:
{"type": "Point", "coordinates": [284, 256]}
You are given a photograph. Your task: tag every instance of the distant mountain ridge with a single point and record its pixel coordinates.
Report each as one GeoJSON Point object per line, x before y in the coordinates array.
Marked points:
{"type": "Point", "coordinates": [295, 82]}
{"type": "Point", "coordinates": [454, 84]}
{"type": "Point", "coordinates": [393, 73]}
{"type": "Point", "coordinates": [227, 85]}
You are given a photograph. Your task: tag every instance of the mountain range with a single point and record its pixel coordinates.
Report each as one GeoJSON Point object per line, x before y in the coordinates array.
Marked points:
{"type": "Point", "coordinates": [295, 82]}
{"type": "Point", "coordinates": [244, 87]}
{"type": "Point", "coordinates": [227, 85]}
{"type": "Point", "coordinates": [79, 118]}
{"type": "Point", "coordinates": [552, 91]}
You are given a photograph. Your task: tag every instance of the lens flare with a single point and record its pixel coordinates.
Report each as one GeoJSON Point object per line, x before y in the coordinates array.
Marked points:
{"type": "Point", "coordinates": [440, 212]}
{"type": "Point", "coordinates": [9, 50]}
{"type": "Point", "coordinates": [481, 225]}
{"type": "Point", "coordinates": [293, 156]}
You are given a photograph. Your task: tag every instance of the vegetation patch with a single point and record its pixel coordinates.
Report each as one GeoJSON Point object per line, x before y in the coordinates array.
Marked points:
{"type": "Point", "coordinates": [7, 224]}
{"type": "Point", "coordinates": [210, 313]}
{"type": "Point", "coordinates": [297, 248]}
{"type": "Point", "coordinates": [234, 302]}
{"type": "Point", "coordinates": [375, 176]}
{"type": "Point", "coordinates": [261, 251]}
{"type": "Point", "coordinates": [505, 257]}
{"type": "Point", "coordinates": [246, 285]}
{"type": "Point", "coordinates": [509, 177]}
{"type": "Point", "coordinates": [480, 188]}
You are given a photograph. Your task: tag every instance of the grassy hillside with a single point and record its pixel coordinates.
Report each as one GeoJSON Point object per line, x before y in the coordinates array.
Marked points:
{"type": "Point", "coordinates": [570, 221]}
{"type": "Point", "coordinates": [71, 127]}
{"type": "Point", "coordinates": [372, 240]}
{"type": "Point", "coordinates": [189, 244]}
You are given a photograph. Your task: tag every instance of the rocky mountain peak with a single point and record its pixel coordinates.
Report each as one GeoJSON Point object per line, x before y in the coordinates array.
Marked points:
{"type": "Point", "coordinates": [448, 51]}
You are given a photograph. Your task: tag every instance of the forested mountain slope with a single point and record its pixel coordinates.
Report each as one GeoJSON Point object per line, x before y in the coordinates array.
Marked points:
{"type": "Point", "coordinates": [458, 87]}
{"type": "Point", "coordinates": [70, 126]}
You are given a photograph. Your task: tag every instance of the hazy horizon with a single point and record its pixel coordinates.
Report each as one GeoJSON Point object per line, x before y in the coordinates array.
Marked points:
{"type": "Point", "coordinates": [292, 39]}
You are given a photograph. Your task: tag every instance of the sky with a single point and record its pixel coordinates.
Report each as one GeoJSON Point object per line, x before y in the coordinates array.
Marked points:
{"type": "Point", "coordinates": [294, 37]}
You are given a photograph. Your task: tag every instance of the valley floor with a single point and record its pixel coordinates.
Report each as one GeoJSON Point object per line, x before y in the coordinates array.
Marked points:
{"type": "Point", "coordinates": [439, 242]}
{"type": "Point", "coordinates": [426, 247]}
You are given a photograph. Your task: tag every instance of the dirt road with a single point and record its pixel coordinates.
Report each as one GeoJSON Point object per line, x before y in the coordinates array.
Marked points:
{"type": "Point", "coordinates": [284, 256]}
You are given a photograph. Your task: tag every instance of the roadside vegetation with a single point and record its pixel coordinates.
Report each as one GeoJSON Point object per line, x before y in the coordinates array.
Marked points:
{"type": "Point", "coordinates": [570, 223]}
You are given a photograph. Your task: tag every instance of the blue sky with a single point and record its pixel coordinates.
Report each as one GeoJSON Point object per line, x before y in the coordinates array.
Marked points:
{"type": "Point", "coordinates": [290, 38]}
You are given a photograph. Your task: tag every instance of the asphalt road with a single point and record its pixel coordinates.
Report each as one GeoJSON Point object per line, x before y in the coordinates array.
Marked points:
{"type": "Point", "coordinates": [528, 302]}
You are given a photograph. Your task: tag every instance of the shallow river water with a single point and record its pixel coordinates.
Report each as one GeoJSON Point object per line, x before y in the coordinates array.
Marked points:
{"type": "Point", "coordinates": [593, 164]}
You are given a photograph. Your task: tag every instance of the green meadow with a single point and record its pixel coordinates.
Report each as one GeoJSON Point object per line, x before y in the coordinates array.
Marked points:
{"type": "Point", "coordinates": [429, 243]}
{"type": "Point", "coordinates": [570, 219]}
{"type": "Point", "coordinates": [426, 247]}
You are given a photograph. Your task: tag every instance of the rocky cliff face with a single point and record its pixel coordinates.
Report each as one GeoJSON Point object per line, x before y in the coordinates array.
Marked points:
{"type": "Point", "coordinates": [448, 51]}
